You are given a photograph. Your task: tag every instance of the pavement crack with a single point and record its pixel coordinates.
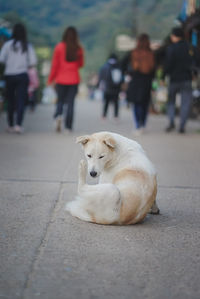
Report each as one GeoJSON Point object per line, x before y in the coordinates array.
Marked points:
{"type": "Point", "coordinates": [43, 241]}
{"type": "Point", "coordinates": [22, 180]}
{"type": "Point", "coordinates": [62, 182]}
{"type": "Point", "coordinates": [179, 187]}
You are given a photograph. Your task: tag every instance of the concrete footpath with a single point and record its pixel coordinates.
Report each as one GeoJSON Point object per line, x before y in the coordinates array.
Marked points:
{"type": "Point", "coordinates": [46, 253]}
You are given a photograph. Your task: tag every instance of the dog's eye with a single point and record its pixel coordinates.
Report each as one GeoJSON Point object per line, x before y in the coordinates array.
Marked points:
{"type": "Point", "coordinates": [89, 156]}
{"type": "Point", "coordinates": [101, 157]}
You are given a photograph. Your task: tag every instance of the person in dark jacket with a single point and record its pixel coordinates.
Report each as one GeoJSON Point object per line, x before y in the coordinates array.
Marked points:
{"type": "Point", "coordinates": [110, 79]}
{"type": "Point", "coordinates": [178, 66]}
{"type": "Point", "coordinates": [140, 64]}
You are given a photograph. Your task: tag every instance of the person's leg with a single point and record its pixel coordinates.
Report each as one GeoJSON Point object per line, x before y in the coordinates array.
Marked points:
{"type": "Point", "coordinates": [71, 93]}
{"type": "Point", "coordinates": [144, 113]}
{"type": "Point", "coordinates": [186, 99]}
{"type": "Point", "coordinates": [173, 89]}
{"type": "Point", "coordinates": [140, 115]}
{"type": "Point", "coordinates": [10, 97]}
{"type": "Point", "coordinates": [146, 99]}
{"type": "Point", "coordinates": [61, 94]}
{"type": "Point", "coordinates": [106, 104]}
{"type": "Point", "coordinates": [21, 97]}
{"type": "Point", "coordinates": [136, 114]}
{"type": "Point", "coordinates": [33, 100]}
{"type": "Point", "coordinates": [116, 106]}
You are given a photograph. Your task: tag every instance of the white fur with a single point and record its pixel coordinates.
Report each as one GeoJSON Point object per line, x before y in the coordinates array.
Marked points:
{"type": "Point", "coordinates": [108, 154]}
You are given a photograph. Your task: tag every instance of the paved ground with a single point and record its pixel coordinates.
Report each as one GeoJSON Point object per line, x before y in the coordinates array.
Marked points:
{"type": "Point", "coordinates": [46, 253]}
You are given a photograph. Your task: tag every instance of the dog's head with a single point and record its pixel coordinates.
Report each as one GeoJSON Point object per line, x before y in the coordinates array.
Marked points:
{"type": "Point", "coordinates": [99, 150]}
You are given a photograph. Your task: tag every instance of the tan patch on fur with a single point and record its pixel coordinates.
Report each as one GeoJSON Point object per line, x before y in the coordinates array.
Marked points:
{"type": "Point", "coordinates": [106, 140]}
{"type": "Point", "coordinates": [102, 221]}
{"type": "Point", "coordinates": [129, 209]}
{"type": "Point", "coordinates": [135, 174]}
{"type": "Point", "coordinates": [150, 202]}
{"type": "Point", "coordinates": [110, 143]}
{"type": "Point", "coordinates": [83, 139]}
{"type": "Point", "coordinates": [131, 200]}
{"type": "Point", "coordinates": [93, 219]}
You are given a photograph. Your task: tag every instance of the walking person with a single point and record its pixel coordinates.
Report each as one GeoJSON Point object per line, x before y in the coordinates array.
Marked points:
{"type": "Point", "coordinates": [33, 87]}
{"type": "Point", "coordinates": [140, 64]}
{"type": "Point", "coordinates": [110, 80]}
{"type": "Point", "coordinates": [17, 55]}
{"type": "Point", "coordinates": [179, 61]}
{"type": "Point", "coordinates": [68, 57]}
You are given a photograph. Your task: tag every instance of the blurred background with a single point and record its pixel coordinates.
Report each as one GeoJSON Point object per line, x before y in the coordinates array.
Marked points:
{"type": "Point", "coordinates": [104, 26]}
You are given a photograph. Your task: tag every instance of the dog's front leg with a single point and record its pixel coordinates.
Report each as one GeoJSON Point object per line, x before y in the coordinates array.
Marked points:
{"type": "Point", "coordinates": [82, 175]}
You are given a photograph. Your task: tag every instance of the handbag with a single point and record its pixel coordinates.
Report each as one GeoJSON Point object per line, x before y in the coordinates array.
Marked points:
{"type": "Point", "coordinates": [33, 79]}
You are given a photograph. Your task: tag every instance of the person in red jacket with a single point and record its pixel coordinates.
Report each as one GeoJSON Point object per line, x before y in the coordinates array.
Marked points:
{"type": "Point", "coordinates": [68, 57]}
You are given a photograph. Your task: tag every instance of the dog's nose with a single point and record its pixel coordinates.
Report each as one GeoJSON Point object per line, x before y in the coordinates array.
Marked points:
{"type": "Point", "coordinates": [93, 173]}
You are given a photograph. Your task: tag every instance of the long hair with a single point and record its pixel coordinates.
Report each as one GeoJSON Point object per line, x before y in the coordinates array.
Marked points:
{"type": "Point", "coordinates": [19, 35]}
{"type": "Point", "coordinates": [70, 37]}
{"type": "Point", "coordinates": [143, 42]}
{"type": "Point", "coordinates": [142, 57]}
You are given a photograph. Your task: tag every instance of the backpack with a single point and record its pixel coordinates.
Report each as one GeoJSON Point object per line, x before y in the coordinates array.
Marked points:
{"type": "Point", "coordinates": [113, 77]}
{"type": "Point", "coordinates": [142, 61]}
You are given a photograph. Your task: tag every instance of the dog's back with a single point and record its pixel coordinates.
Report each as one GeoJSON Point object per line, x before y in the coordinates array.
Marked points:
{"type": "Point", "coordinates": [135, 177]}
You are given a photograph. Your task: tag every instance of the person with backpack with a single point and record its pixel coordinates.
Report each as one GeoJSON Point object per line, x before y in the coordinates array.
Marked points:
{"type": "Point", "coordinates": [110, 80]}
{"type": "Point", "coordinates": [18, 56]}
{"type": "Point", "coordinates": [140, 65]}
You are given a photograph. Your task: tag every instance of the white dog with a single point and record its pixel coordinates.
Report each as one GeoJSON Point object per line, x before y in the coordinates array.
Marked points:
{"type": "Point", "coordinates": [127, 181]}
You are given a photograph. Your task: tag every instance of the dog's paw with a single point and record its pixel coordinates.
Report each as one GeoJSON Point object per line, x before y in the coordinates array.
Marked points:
{"type": "Point", "coordinates": [154, 211]}
{"type": "Point", "coordinates": [83, 169]}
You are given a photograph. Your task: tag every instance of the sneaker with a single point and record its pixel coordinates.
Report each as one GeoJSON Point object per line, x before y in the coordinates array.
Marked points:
{"type": "Point", "coordinates": [170, 128]}
{"type": "Point", "coordinates": [116, 120]}
{"type": "Point", "coordinates": [18, 129]}
{"type": "Point", "coordinates": [67, 131]}
{"type": "Point", "coordinates": [103, 118]}
{"type": "Point", "coordinates": [138, 132]}
{"type": "Point", "coordinates": [10, 130]}
{"type": "Point", "coordinates": [181, 131]}
{"type": "Point", "coordinates": [58, 124]}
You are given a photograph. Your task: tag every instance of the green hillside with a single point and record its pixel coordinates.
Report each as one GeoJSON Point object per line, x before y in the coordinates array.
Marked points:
{"type": "Point", "coordinates": [98, 21]}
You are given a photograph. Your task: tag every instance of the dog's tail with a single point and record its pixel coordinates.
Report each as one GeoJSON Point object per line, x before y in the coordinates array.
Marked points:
{"type": "Point", "coordinates": [70, 205]}
{"type": "Point", "coordinates": [75, 209]}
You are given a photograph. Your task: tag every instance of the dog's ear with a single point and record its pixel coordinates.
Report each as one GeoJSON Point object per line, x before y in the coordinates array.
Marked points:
{"type": "Point", "coordinates": [110, 142]}
{"type": "Point", "coordinates": [83, 139]}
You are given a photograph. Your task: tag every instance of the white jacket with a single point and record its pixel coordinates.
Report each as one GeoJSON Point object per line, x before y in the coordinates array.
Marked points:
{"type": "Point", "coordinates": [17, 62]}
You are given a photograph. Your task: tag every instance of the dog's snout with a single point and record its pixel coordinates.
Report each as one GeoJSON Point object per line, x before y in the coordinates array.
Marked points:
{"type": "Point", "coordinates": [93, 173]}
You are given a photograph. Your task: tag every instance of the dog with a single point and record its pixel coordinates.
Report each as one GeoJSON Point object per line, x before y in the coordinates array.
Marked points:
{"type": "Point", "coordinates": [127, 186]}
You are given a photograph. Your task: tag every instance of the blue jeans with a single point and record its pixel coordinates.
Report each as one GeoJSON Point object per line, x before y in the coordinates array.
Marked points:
{"type": "Point", "coordinates": [140, 112]}
{"type": "Point", "coordinates": [17, 95]}
{"type": "Point", "coordinates": [185, 89]}
{"type": "Point", "coordinates": [66, 95]}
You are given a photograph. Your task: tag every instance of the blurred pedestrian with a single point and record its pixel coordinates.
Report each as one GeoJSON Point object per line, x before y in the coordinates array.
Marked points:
{"type": "Point", "coordinates": [17, 55]}
{"type": "Point", "coordinates": [68, 57]}
{"type": "Point", "coordinates": [179, 62]}
{"type": "Point", "coordinates": [140, 64]}
{"type": "Point", "coordinates": [110, 80]}
{"type": "Point", "coordinates": [33, 87]}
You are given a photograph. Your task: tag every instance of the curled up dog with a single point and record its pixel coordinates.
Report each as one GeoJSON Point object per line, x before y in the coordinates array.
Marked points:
{"type": "Point", "coordinates": [127, 186]}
